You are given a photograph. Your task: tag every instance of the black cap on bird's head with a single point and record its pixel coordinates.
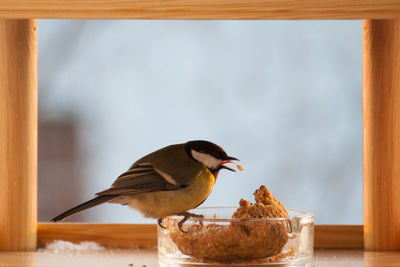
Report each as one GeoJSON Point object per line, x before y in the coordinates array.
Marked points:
{"type": "Point", "coordinates": [209, 154]}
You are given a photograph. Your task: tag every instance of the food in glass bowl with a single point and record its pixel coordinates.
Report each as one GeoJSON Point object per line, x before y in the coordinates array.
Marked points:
{"type": "Point", "coordinates": [262, 233]}
{"type": "Point", "coordinates": [240, 239]}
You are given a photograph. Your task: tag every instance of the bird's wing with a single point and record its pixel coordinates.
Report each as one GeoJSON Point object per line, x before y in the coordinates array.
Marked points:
{"type": "Point", "coordinates": [141, 178]}
{"type": "Point", "coordinates": [176, 166]}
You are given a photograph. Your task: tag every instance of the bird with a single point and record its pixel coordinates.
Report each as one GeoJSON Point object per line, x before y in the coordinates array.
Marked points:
{"type": "Point", "coordinates": [168, 181]}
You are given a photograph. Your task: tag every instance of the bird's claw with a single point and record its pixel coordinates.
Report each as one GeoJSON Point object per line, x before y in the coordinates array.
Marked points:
{"type": "Point", "coordinates": [159, 221]}
{"type": "Point", "coordinates": [186, 215]}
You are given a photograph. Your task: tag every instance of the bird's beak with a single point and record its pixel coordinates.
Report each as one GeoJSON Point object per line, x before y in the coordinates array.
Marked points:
{"type": "Point", "coordinates": [226, 167]}
{"type": "Point", "coordinates": [229, 160]}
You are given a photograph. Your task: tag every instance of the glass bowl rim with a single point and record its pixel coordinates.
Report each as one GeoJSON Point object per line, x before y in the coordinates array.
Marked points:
{"type": "Point", "coordinates": [303, 215]}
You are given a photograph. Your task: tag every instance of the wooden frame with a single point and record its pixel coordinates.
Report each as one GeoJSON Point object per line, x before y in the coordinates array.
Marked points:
{"type": "Point", "coordinates": [145, 235]}
{"type": "Point", "coordinates": [18, 134]}
{"type": "Point", "coordinates": [200, 9]}
{"type": "Point", "coordinates": [18, 109]}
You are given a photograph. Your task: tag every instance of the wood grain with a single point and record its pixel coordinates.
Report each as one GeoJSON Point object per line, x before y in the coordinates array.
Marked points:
{"type": "Point", "coordinates": [108, 235]}
{"type": "Point", "coordinates": [18, 134]}
{"type": "Point", "coordinates": [382, 259]}
{"type": "Point", "coordinates": [381, 109]}
{"type": "Point", "coordinates": [140, 257]}
{"type": "Point", "coordinates": [200, 9]}
{"type": "Point", "coordinates": [145, 235]}
{"type": "Point", "coordinates": [338, 236]}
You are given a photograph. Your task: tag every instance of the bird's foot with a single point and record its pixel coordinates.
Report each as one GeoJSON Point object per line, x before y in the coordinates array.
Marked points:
{"type": "Point", "coordinates": [159, 221]}
{"type": "Point", "coordinates": [186, 215]}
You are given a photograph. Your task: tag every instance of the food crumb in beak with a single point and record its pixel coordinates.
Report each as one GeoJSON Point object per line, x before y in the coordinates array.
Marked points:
{"type": "Point", "coordinates": [239, 167]}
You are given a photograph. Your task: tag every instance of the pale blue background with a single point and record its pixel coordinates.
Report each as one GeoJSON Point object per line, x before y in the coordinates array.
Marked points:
{"type": "Point", "coordinates": [283, 96]}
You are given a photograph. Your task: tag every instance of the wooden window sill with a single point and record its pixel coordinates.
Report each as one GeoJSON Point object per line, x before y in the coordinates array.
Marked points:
{"type": "Point", "coordinates": [148, 257]}
{"type": "Point", "coordinates": [145, 235]}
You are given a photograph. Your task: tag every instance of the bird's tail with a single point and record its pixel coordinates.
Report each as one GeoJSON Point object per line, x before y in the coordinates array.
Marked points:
{"type": "Point", "coordinates": [84, 206]}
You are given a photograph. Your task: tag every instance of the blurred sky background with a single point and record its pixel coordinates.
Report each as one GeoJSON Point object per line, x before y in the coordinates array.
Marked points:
{"type": "Point", "coordinates": [283, 96]}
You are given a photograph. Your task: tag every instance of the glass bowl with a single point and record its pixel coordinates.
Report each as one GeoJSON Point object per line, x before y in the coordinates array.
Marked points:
{"type": "Point", "coordinates": [217, 239]}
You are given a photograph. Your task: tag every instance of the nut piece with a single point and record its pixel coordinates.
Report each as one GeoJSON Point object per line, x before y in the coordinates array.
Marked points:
{"type": "Point", "coordinates": [240, 167]}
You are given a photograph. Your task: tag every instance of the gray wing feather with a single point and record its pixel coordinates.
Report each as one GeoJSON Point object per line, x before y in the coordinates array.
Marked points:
{"type": "Point", "coordinates": [139, 178]}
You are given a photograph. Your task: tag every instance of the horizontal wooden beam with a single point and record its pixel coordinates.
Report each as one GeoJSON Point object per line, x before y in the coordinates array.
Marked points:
{"type": "Point", "coordinates": [200, 9]}
{"type": "Point", "coordinates": [145, 235]}
{"type": "Point", "coordinates": [108, 235]}
{"type": "Point", "coordinates": [338, 236]}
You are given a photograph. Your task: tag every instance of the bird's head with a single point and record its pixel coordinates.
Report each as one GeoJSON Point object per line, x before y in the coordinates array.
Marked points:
{"type": "Point", "coordinates": [210, 155]}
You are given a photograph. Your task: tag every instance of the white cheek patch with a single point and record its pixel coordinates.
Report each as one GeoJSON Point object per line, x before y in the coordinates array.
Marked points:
{"type": "Point", "coordinates": [206, 159]}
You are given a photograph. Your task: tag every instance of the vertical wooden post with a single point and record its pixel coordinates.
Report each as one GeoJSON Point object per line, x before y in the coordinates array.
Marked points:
{"type": "Point", "coordinates": [381, 109]}
{"type": "Point", "coordinates": [18, 135]}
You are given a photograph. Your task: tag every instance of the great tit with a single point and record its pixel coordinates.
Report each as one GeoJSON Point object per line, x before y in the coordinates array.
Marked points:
{"type": "Point", "coordinates": [169, 181]}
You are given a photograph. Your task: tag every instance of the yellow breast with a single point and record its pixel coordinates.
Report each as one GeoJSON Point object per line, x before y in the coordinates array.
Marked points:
{"type": "Point", "coordinates": [165, 203]}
